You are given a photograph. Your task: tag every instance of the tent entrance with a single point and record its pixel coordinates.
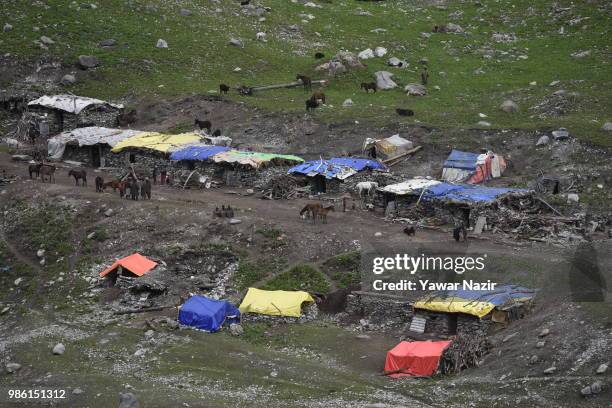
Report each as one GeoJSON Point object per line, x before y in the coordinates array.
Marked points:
{"type": "Point", "coordinates": [318, 184]}
{"type": "Point", "coordinates": [96, 157]}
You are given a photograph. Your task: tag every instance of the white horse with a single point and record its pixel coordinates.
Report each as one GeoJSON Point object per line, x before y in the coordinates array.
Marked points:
{"type": "Point", "coordinates": [366, 189]}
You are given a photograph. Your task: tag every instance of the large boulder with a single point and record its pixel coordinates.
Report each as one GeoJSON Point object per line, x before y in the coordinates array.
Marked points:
{"type": "Point", "coordinates": [68, 80]}
{"type": "Point", "coordinates": [415, 90]}
{"type": "Point", "coordinates": [87, 61]}
{"type": "Point", "coordinates": [384, 81]}
{"type": "Point", "coordinates": [509, 106]}
{"type": "Point", "coordinates": [332, 68]}
{"type": "Point", "coordinates": [366, 54]}
{"type": "Point", "coordinates": [161, 43]}
{"type": "Point", "coordinates": [110, 42]}
{"type": "Point", "coordinates": [380, 51]}
{"type": "Point", "coordinates": [128, 400]}
{"type": "Point", "coordinates": [348, 59]}
{"type": "Point", "coordinates": [453, 28]}
{"type": "Point", "coordinates": [396, 62]}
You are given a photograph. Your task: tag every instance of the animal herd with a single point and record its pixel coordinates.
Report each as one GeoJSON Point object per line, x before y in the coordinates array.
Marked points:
{"type": "Point", "coordinates": [128, 188]}
{"type": "Point", "coordinates": [316, 210]}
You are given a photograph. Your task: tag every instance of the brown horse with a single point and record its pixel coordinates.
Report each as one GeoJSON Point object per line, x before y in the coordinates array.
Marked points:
{"type": "Point", "coordinates": [306, 81]}
{"type": "Point", "coordinates": [318, 96]}
{"type": "Point", "coordinates": [34, 168]}
{"type": "Point", "coordinates": [321, 212]}
{"type": "Point", "coordinates": [309, 210]}
{"type": "Point", "coordinates": [78, 174]}
{"type": "Point", "coordinates": [47, 170]}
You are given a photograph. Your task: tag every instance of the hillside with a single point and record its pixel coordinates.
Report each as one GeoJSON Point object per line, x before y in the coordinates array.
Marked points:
{"type": "Point", "coordinates": [471, 72]}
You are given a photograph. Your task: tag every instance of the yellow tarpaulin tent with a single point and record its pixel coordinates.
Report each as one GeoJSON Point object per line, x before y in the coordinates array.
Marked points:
{"type": "Point", "coordinates": [274, 302]}
{"type": "Point", "coordinates": [456, 305]}
{"type": "Point", "coordinates": [157, 141]}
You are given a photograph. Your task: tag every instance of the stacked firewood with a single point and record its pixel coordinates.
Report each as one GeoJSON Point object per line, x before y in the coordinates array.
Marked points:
{"type": "Point", "coordinates": [282, 187]}
{"type": "Point", "coordinates": [464, 352]}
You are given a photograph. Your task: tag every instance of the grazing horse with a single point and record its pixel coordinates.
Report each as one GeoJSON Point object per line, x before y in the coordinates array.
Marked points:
{"type": "Point", "coordinates": [311, 105]}
{"type": "Point", "coordinates": [47, 170]}
{"type": "Point", "coordinates": [34, 168]}
{"type": "Point", "coordinates": [318, 96]}
{"type": "Point", "coordinates": [223, 89]}
{"type": "Point", "coordinates": [99, 184]}
{"type": "Point", "coordinates": [369, 85]}
{"type": "Point", "coordinates": [321, 212]}
{"type": "Point", "coordinates": [78, 174]}
{"type": "Point", "coordinates": [309, 210]}
{"type": "Point", "coordinates": [135, 189]}
{"type": "Point", "coordinates": [115, 184]}
{"type": "Point", "coordinates": [306, 81]}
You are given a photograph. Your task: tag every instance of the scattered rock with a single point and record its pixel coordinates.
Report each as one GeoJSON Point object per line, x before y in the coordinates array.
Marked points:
{"type": "Point", "coordinates": [396, 62]}
{"type": "Point", "coordinates": [68, 79]}
{"type": "Point", "coordinates": [149, 334]}
{"type": "Point", "coordinates": [87, 61]}
{"type": "Point", "coordinates": [12, 367]}
{"type": "Point", "coordinates": [59, 349]}
{"type": "Point", "coordinates": [550, 370]}
{"type": "Point", "coordinates": [77, 391]}
{"type": "Point", "coordinates": [366, 54]}
{"type": "Point", "coordinates": [91, 235]}
{"type": "Point", "coordinates": [596, 387]}
{"type": "Point", "coordinates": [560, 134]}
{"type": "Point", "coordinates": [236, 329]}
{"type": "Point", "coordinates": [508, 337]}
{"type": "Point", "coordinates": [509, 106]}
{"type": "Point", "coordinates": [185, 12]}
{"type": "Point", "coordinates": [46, 40]}
{"type": "Point", "coordinates": [602, 369]}
{"type": "Point", "coordinates": [161, 43]}
{"type": "Point", "coordinates": [544, 332]}
{"type": "Point", "coordinates": [540, 344]}
{"type": "Point", "coordinates": [581, 54]}
{"type": "Point", "coordinates": [274, 374]}
{"type": "Point", "coordinates": [347, 103]}
{"type": "Point", "coordinates": [384, 81]}
{"type": "Point", "coordinates": [140, 352]}
{"type": "Point", "coordinates": [7, 27]}
{"type": "Point", "coordinates": [380, 51]}
{"type": "Point", "coordinates": [543, 140]}
{"type": "Point", "coordinates": [453, 28]}
{"type": "Point", "coordinates": [236, 42]}
{"type": "Point", "coordinates": [378, 234]}
{"type": "Point", "coordinates": [607, 127]}
{"type": "Point", "coordinates": [586, 391]}
{"type": "Point", "coordinates": [108, 43]}
{"type": "Point", "coordinates": [484, 123]}
{"type": "Point", "coordinates": [234, 221]}
{"type": "Point", "coordinates": [17, 281]}
{"type": "Point", "coordinates": [108, 212]}
{"type": "Point", "coordinates": [573, 198]}
{"type": "Point", "coordinates": [534, 359]}
{"type": "Point", "coordinates": [40, 253]}
{"type": "Point", "coordinates": [128, 400]}
{"type": "Point", "coordinates": [415, 90]}
{"type": "Point", "coordinates": [363, 337]}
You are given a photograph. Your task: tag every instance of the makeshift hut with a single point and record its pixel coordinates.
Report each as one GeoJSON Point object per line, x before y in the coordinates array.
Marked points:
{"type": "Point", "coordinates": [471, 311]}
{"type": "Point", "coordinates": [414, 359]}
{"type": "Point", "coordinates": [89, 145]}
{"type": "Point", "coordinates": [472, 168]}
{"type": "Point", "coordinates": [134, 265]}
{"type": "Point", "coordinates": [207, 314]}
{"type": "Point", "coordinates": [330, 175]}
{"type": "Point", "coordinates": [387, 149]}
{"type": "Point", "coordinates": [71, 111]}
{"type": "Point", "coordinates": [150, 150]}
{"type": "Point", "coordinates": [275, 302]}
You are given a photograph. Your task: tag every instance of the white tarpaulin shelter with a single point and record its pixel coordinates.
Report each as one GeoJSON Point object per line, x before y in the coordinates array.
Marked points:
{"type": "Point", "coordinates": [412, 186]}
{"type": "Point", "coordinates": [388, 148]}
{"type": "Point", "coordinates": [70, 103]}
{"type": "Point", "coordinates": [87, 136]}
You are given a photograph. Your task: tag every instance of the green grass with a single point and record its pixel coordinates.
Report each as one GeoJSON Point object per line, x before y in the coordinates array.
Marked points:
{"type": "Point", "coordinates": [300, 277]}
{"type": "Point", "coordinates": [199, 56]}
{"type": "Point", "coordinates": [344, 269]}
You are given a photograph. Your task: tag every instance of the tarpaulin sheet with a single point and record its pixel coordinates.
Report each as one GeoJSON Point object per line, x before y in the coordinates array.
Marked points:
{"type": "Point", "coordinates": [207, 314]}
{"type": "Point", "coordinates": [478, 303]}
{"type": "Point", "coordinates": [412, 186]}
{"type": "Point", "coordinates": [158, 141]}
{"type": "Point", "coordinates": [390, 147]}
{"type": "Point", "coordinates": [461, 160]}
{"type": "Point", "coordinates": [274, 302]}
{"type": "Point", "coordinates": [135, 263]}
{"type": "Point", "coordinates": [197, 152]}
{"type": "Point", "coordinates": [336, 167]}
{"type": "Point", "coordinates": [416, 358]}
{"type": "Point", "coordinates": [87, 136]}
{"type": "Point", "coordinates": [253, 159]}
{"type": "Point", "coordinates": [70, 103]}
{"type": "Point", "coordinates": [467, 193]}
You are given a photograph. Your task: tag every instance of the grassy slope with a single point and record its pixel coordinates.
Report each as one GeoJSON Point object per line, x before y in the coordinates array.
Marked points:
{"type": "Point", "coordinates": [199, 57]}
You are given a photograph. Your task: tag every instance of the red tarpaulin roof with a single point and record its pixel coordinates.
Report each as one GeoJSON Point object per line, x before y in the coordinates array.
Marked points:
{"type": "Point", "coordinates": [135, 263]}
{"type": "Point", "coordinates": [417, 358]}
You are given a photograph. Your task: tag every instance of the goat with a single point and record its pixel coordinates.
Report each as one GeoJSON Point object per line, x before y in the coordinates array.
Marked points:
{"type": "Point", "coordinates": [369, 85]}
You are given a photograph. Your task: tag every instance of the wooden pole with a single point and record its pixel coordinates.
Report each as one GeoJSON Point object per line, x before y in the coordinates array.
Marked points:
{"type": "Point", "coordinates": [406, 153]}
{"type": "Point", "coordinates": [289, 85]}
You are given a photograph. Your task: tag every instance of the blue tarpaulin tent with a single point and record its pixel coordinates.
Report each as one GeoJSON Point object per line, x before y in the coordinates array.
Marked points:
{"type": "Point", "coordinates": [461, 160]}
{"type": "Point", "coordinates": [207, 314]}
{"type": "Point", "coordinates": [467, 193]}
{"type": "Point", "coordinates": [197, 152]}
{"type": "Point", "coordinates": [336, 167]}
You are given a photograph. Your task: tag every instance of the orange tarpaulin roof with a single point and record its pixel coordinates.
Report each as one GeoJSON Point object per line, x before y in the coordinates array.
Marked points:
{"type": "Point", "coordinates": [416, 358]}
{"type": "Point", "coordinates": [135, 263]}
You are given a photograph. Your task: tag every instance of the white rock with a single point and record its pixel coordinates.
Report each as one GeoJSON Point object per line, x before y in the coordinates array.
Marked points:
{"type": "Point", "coordinates": [543, 140]}
{"type": "Point", "coordinates": [236, 42]}
{"type": "Point", "coordinates": [347, 103]}
{"type": "Point", "coordinates": [380, 51]}
{"type": "Point", "coordinates": [274, 374]}
{"type": "Point", "coordinates": [607, 127]}
{"type": "Point", "coordinates": [378, 234]}
{"type": "Point", "coordinates": [366, 54]}
{"type": "Point", "coordinates": [560, 134]}
{"type": "Point", "coordinates": [40, 253]}
{"type": "Point", "coordinates": [7, 27]}
{"type": "Point", "coordinates": [482, 115]}
{"type": "Point", "coordinates": [59, 349]}
{"type": "Point", "coordinates": [46, 40]}
{"type": "Point", "coordinates": [149, 334]}
{"type": "Point", "coordinates": [140, 352]}
{"type": "Point", "coordinates": [509, 106]}
{"type": "Point", "coordinates": [12, 367]}
{"type": "Point", "coordinates": [602, 369]}
{"type": "Point", "coordinates": [396, 62]}
{"type": "Point", "coordinates": [161, 43]}
{"type": "Point", "coordinates": [573, 198]}
{"type": "Point", "coordinates": [17, 281]}
{"type": "Point", "coordinates": [260, 36]}
{"type": "Point", "coordinates": [108, 212]}
{"type": "Point", "coordinates": [68, 79]}
{"type": "Point", "coordinates": [544, 332]}
{"type": "Point", "coordinates": [484, 123]}
{"type": "Point", "coordinates": [77, 391]}
{"type": "Point", "coordinates": [234, 221]}
{"type": "Point", "coordinates": [384, 81]}
{"type": "Point", "coordinates": [581, 54]}
{"type": "Point", "coordinates": [415, 90]}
